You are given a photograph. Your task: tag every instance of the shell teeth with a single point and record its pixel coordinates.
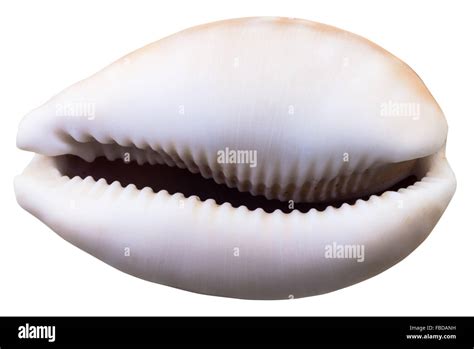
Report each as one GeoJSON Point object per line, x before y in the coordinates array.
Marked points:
{"type": "Point", "coordinates": [74, 181]}
{"type": "Point", "coordinates": [309, 184]}
{"type": "Point", "coordinates": [115, 190]}
{"type": "Point", "coordinates": [130, 188]}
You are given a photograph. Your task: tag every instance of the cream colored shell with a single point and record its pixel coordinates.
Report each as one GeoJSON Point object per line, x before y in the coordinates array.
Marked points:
{"type": "Point", "coordinates": [308, 98]}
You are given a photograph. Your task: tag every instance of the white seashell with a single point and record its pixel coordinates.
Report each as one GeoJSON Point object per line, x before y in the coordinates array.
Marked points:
{"type": "Point", "coordinates": [334, 121]}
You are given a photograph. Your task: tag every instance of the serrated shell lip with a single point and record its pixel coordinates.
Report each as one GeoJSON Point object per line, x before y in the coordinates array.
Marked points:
{"type": "Point", "coordinates": [53, 174]}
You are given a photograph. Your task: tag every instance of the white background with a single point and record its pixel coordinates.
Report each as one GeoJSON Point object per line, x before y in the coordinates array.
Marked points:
{"type": "Point", "coordinates": [47, 45]}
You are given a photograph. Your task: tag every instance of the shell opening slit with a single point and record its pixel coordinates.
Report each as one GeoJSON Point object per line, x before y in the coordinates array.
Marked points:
{"type": "Point", "coordinates": [151, 170]}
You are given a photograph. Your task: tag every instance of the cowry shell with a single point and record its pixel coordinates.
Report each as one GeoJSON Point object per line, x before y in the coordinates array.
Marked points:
{"type": "Point", "coordinates": [324, 110]}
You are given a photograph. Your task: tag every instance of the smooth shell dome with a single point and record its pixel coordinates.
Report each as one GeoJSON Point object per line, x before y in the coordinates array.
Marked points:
{"type": "Point", "coordinates": [300, 93]}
